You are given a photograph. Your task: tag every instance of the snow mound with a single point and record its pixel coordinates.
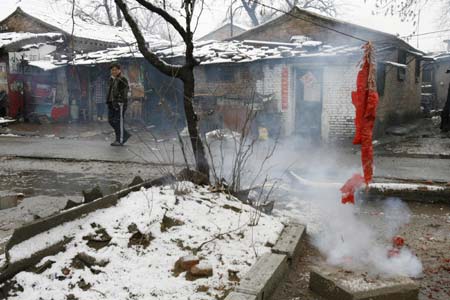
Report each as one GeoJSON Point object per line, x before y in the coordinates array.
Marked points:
{"type": "Point", "coordinates": [173, 225]}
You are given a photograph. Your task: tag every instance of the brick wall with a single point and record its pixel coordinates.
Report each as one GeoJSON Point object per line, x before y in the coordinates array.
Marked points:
{"type": "Point", "coordinates": [20, 23]}
{"type": "Point", "coordinates": [222, 33]}
{"type": "Point", "coordinates": [286, 26]}
{"type": "Point", "coordinates": [401, 100]}
{"type": "Point", "coordinates": [243, 87]}
{"type": "Point", "coordinates": [337, 109]}
{"type": "Point", "coordinates": [441, 81]}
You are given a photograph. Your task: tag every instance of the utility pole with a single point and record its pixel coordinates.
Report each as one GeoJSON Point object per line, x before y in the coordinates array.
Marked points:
{"type": "Point", "coordinates": [417, 29]}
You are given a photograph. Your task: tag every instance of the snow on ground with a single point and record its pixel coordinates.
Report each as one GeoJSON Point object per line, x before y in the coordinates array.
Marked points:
{"type": "Point", "coordinates": [9, 135]}
{"type": "Point", "coordinates": [358, 284]}
{"type": "Point", "coordinates": [406, 186]}
{"type": "Point", "coordinates": [30, 209]}
{"type": "Point", "coordinates": [135, 272]}
{"type": "Point", "coordinates": [6, 121]}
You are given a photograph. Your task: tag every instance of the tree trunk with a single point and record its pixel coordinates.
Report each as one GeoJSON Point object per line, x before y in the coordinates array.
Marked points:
{"type": "Point", "coordinates": [251, 11]}
{"type": "Point", "coordinates": [108, 12]}
{"type": "Point", "coordinates": [192, 121]}
{"type": "Point", "coordinates": [119, 17]}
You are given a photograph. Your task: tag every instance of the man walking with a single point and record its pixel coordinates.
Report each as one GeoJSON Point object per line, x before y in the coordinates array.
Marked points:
{"type": "Point", "coordinates": [117, 104]}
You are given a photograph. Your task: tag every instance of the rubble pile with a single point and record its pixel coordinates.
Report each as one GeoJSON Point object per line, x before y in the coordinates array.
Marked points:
{"type": "Point", "coordinates": [155, 244]}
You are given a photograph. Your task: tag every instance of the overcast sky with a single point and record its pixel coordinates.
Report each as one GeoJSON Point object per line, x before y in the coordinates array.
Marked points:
{"type": "Point", "coordinates": [355, 11]}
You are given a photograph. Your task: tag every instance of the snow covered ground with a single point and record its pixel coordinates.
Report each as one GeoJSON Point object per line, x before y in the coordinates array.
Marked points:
{"type": "Point", "coordinates": [169, 222]}
{"type": "Point", "coordinates": [4, 121]}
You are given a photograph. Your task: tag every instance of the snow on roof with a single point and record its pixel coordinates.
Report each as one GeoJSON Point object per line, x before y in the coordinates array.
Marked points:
{"type": "Point", "coordinates": [213, 52]}
{"type": "Point", "coordinates": [57, 16]}
{"type": "Point", "coordinates": [47, 65]}
{"type": "Point", "coordinates": [395, 64]}
{"type": "Point", "coordinates": [8, 38]}
{"type": "Point", "coordinates": [246, 51]}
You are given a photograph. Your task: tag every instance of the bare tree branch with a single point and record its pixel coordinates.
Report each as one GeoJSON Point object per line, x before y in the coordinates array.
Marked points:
{"type": "Point", "coordinates": [170, 70]}
{"type": "Point", "coordinates": [108, 12]}
{"type": "Point", "coordinates": [166, 16]}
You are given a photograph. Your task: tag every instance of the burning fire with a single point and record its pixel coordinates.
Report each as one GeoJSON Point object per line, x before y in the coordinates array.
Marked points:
{"type": "Point", "coordinates": [397, 244]}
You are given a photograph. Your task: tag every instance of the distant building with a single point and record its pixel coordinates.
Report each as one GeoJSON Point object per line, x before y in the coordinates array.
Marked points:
{"type": "Point", "coordinates": [224, 32]}
{"type": "Point", "coordinates": [86, 36]}
{"type": "Point", "coordinates": [436, 79]}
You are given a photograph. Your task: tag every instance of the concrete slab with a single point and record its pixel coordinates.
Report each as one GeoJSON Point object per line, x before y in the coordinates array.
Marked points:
{"type": "Point", "coordinates": [9, 201]}
{"type": "Point", "coordinates": [423, 193]}
{"type": "Point", "coordinates": [240, 296]}
{"type": "Point", "coordinates": [336, 284]}
{"type": "Point", "coordinates": [39, 226]}
{"type": "Point", "coordinates": [263, 278]}
{"type": "Point", "coordinates": [289, 241]}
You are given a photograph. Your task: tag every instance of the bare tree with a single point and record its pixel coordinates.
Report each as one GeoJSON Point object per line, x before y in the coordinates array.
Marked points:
{"type": "Point", "coordinates": [407, 10]}
{"type": "Point", "coordinates": [106, 12]}
{"type": "Point", "coordinates": [260, 11]}
{"type": "Point", "coordinates": [183, 72]}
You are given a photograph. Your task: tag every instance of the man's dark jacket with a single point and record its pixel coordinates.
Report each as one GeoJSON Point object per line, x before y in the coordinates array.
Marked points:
{"type": "Point", "coordinates": [117, 91]}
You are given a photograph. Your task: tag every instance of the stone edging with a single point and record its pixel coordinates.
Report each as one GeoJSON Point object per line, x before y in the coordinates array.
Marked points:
{"type": "Point", "coordinates": [39, 226]}
{"type": "Point", "coordinates": [264, 276]}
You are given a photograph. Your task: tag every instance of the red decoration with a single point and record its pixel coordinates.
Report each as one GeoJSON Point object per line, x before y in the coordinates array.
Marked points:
{"type": "Point", "coordinates": [397, 244]}
{"type": "Point", "coordinates": [60, 112]}
{"type": "Point", "coordinates": [349, 188]}
{"type": "Point", "coordinates": [365, 100]}
{"type": "Point", "coordinates": [398, 241]}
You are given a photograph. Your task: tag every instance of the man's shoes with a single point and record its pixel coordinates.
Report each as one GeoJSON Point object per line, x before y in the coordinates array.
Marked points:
{"type": "Point", "coordinates": [116, 143]}
{"type": "Point", "coordinates": [126, 137]}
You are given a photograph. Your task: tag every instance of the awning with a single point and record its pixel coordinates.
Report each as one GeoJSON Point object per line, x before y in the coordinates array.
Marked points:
{"type": "Point", "coordinates": [46, 65]}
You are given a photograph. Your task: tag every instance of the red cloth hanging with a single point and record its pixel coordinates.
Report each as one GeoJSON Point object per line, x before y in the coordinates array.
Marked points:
{"type": "Point", "coordinates": [365, 100]}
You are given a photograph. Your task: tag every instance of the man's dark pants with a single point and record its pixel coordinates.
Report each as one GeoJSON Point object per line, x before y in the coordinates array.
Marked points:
{"type": "Point", "coordinates": [114, 121]}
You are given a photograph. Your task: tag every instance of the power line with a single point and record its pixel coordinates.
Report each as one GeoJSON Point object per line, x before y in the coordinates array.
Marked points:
{"type": "Point", "coordinates": [426, 33]}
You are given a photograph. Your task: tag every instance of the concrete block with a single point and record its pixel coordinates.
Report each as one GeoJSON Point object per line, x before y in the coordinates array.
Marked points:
{"type": "Point", "coordinates": [240, 296]}
{"type": "Point", "coordinates": [335, 285]}
{"type": "Point", "coordinates": [11, 269]}
{"type": "Point", "coordinates": [27, 231]}
{"type": "Point", "coordinates": [263, 278]}
{"type": "Point", "coordinates": [9, 201]}
{"type": "Point", "coordinates": [42, 225]}
{"type": "Point", "coordinates": [289, 241]}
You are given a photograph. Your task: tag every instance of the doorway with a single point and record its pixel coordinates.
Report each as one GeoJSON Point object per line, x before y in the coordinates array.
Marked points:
{"type": "Point", "coordinates": [308, 106]}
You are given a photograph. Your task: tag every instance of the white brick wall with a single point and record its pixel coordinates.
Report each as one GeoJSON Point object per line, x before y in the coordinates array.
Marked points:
{"type": "Point", "coordinates": [338, 111]}
{"type": "Point", "coordinates": [271, 82]}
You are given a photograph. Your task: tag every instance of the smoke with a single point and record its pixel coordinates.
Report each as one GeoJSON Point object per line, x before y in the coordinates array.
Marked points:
{"type": "Point", "coordinates": [356, 237]}
{"type": "Point", "coordinates": [350, 239]}
{"type": "Point", "coordinates": [347, 235]}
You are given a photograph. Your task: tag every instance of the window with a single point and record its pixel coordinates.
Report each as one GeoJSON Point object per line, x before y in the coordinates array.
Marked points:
{"type": "Point", "coordinates": [381, 78]}
{"type": "Point", "coordinates": [401, 72]}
